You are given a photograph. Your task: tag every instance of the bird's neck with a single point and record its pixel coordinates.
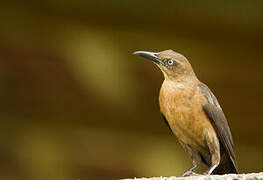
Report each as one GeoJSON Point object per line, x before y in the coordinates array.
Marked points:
{"type": "Point", "coordinates": [171, 86]}
{"type": "Point", "coordinates": [181, 84]}
{"type": "Point", "coordinates": [183, 80]}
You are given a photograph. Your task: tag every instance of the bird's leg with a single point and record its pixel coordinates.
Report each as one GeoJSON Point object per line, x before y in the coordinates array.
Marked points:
{"type": "Point", "coordinates": [196, 159]}
{"type": "Point", "coordinates": [211, 169]}
{"type": "Point", "coordinates": [190, 171]}
{"type": "Point", "coordinates": [214, 162]}
{"type": "Point", "coordinates": [214, 149]}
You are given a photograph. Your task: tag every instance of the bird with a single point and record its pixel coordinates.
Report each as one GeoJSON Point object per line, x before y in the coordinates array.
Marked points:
{"type": "Point", "coordinates": [193, 114]}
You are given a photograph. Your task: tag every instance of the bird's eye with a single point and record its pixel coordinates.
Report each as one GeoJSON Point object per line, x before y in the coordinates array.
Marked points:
{"type": "Point", "coordinates": [170, 62]}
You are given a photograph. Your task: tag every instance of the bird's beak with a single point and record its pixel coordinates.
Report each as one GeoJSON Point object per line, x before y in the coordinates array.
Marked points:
{"type": "Point", "coordinates": [153, 56]}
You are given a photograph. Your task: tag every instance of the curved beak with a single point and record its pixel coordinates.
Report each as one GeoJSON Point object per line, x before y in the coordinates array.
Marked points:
{"type": "Point", "coordinates": [153, 56]}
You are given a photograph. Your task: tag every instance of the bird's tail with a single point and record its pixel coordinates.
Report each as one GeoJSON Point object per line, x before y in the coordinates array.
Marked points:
{"type": "Point", "coordinates": [226, 165]}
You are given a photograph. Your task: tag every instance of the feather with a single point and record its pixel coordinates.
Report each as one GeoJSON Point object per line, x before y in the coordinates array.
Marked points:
{"type": "Point", "coordinates": [220, 124]}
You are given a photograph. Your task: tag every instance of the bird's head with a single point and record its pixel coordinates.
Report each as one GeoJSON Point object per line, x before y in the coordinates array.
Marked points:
{"type": "Point", "coordinates": [173, 65]}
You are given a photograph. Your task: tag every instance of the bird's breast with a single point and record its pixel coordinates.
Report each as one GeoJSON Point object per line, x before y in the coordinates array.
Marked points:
{"type": "Point", "coordinates": [182, 107]}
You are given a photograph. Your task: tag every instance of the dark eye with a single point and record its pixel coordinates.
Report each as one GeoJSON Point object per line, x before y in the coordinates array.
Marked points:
{"type": "Point", "coordinates": [170, 62]}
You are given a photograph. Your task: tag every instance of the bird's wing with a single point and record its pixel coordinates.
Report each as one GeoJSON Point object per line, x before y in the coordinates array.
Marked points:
{"type": "Point", "coordinates": [219, 122]}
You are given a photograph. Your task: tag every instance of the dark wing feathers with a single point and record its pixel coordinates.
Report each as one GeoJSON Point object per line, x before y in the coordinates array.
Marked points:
{"type": "Point", "coordinates": [219, 122]}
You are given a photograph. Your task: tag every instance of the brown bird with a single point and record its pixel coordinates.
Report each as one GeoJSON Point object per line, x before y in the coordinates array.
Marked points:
{"type": "Point", "coordinates": [193, 114]}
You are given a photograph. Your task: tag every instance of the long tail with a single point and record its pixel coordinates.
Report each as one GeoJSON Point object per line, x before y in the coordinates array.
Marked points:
{"type": "Point", "coordinates": [226, 165]}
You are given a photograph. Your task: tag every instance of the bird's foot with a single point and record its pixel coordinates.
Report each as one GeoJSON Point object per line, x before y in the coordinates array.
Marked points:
{"type": "Point", "coordinates": [206, 173]}
{"type": "Point", "coordinates": [189, 173]}
{"type": "Point", "coordinates": [211, 169]}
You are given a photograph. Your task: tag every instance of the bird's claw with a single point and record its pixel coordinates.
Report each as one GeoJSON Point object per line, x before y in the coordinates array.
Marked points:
{"type": "Point", "coordinates": [189, 173]}
{"type": "Point", "coordinates": [207, 173]}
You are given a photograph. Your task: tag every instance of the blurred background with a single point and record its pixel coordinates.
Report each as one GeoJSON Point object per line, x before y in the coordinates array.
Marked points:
{"type": "Point", "coordinates": [75, 103]}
